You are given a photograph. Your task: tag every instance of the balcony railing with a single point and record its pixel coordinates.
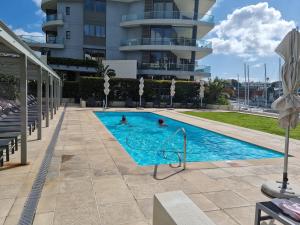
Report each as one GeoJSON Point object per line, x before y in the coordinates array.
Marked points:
{"type": "Point", "coordinates": [169, 15]}
{"type": "Point", "coordinates": [167, 41]}
{"type": "Point", "coordinates": [29, 39]}
{"type": "Point", "coordinates": [53, 17]}
{"type": "Point", "coordinates": [54, 40]}
{"type": "Point", "coordinates": [175, 67]}
{"type": "Point", "coordinates": [202, 68]}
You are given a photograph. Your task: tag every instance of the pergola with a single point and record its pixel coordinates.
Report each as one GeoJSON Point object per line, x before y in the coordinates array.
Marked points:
{"type": "Point", "coordinates": [18, 60]}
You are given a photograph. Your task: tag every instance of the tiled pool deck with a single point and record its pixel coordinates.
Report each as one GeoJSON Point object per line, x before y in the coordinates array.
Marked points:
{"type": "Point", "coordinates": [93, 181]}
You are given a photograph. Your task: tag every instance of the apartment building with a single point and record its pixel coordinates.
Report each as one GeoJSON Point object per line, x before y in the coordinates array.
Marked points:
{"type": "Point", "coordinates": [155, 39]}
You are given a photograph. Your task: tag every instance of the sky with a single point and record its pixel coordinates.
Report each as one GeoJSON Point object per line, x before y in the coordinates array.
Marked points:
{"type": "Point", "coordinates": [246, 31]}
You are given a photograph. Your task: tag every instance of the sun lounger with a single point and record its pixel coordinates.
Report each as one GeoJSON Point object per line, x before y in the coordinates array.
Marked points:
{"type": "Point", "coordinates": [12, 129]}
{"type": "Point", "coordinates": [4, 146]}
{"type": "Point", "coordinates": [8, 135]}
{"type": "Point", "coordinates": [273, 213]}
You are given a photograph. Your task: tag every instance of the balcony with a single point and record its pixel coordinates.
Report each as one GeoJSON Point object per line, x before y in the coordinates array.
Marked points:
{"type": "Point", "coordinates": [174, 69]}
{"type": "Point", "coordinates": [48, 4]}
{"type": "Point", "coordinates": [52, 21]}
{"type": "Point", "coordinates": [38, 42]}
{"type": "Point", "coordinates": [167, 18]}
{"type": "Point", "coordinates": [167, 44]}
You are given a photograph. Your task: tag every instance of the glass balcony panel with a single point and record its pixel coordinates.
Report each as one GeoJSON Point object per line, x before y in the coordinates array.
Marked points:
{"type": "Point", "coordinates": [54, 40]}
{"type": "Point", "coordinates": [167, 41]}
{"type": "Point", "coordinates": [53, 17]}
{"type": "Point", "coordinates": [169, 15]}
{"type": "Point", "coordinates": [167, 66]}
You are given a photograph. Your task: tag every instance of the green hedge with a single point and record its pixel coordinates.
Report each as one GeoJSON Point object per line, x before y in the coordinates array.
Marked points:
{"type": "Point", "coordinates": [71, 89]}
{"type": "Point", "coordinates": [72, 62]}
{"type": "Point", "coordinates": [8, 87]}
{"type": "Point", "coordinates": [122, 89]}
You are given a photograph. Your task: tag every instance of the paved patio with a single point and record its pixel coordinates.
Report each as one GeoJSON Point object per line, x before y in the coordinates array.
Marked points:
{"type": "Point", "coordinates": [93, 181]}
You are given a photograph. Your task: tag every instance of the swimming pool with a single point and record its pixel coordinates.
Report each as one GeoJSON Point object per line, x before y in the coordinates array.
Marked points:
{"type": "Point", "coordinates": [149, 144]}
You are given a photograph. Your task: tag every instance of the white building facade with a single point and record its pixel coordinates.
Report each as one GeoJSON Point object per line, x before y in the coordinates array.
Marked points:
{"type": "Point", "coordinates": [162, 38]}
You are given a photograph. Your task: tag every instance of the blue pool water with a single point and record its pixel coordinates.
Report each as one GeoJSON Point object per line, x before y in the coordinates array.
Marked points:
{"type": "Point", "coordinates": [145, 141]}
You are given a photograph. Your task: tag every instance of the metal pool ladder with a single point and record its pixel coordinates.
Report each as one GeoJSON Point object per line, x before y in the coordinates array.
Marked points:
{"type": "Point", "coordinates": [182, 130]}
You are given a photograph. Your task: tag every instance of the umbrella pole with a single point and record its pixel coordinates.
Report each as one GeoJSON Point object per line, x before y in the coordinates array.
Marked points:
{"type": "Point", "coordinates": [286, 157]}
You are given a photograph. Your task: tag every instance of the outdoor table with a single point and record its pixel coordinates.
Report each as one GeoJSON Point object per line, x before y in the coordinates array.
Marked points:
{"type": "Point", "coordinates": [273, 213]}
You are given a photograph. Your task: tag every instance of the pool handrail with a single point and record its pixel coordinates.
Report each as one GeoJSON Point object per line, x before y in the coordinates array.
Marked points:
{"type": "Point", "coordinates": [182, 130]}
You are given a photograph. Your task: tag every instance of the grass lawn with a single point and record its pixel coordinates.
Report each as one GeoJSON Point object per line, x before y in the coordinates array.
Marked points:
{"type": "Point", "coordinates": [265, 124]}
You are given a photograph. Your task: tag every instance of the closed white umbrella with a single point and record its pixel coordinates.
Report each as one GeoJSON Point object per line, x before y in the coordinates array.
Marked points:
{"type": "Point", "coordinates": [288, 106]}
{"type": "Point", "coordinates": [201, 91]}
{"type": "Point", "coordinates": [141, 90]}
{"type": "Point", "coordinates": [106, 88]}
{"type": "Point", "coordinates": [172, 91]}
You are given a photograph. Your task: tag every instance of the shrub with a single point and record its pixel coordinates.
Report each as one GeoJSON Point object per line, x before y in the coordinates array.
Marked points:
{"type": "Point", "coordinates": [8, 87]}
{"type": "Point", "coordinates": [122, 89]}
{"type": "Point", "coordinates": [222, 100]}
{"type": "Point", "coordinates": [71, 89]}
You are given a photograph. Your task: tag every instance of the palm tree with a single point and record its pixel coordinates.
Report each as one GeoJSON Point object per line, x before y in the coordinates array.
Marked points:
{"type": "Point", "coordinates": [103, 70]}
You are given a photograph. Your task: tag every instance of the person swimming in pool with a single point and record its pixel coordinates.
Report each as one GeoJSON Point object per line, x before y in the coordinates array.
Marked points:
{"type": "Point", "coordinates": [161, 123]}
{"type": "Point", "coordinates": [123, 120]}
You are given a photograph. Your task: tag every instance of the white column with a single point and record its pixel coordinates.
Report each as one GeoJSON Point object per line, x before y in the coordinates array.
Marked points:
{"type": "Point", "coordinates": [24, 109]}
{"type": "Point", "coordinates": [47, 100]}
{"type": "Point", "coordinates": [40, 103]}
{"type": "Point", "coordinates": [54, 95]}
{"type": "Point", "coordinates": [59, 93]}
{"type": "Point", "coordinates": [51, 97]}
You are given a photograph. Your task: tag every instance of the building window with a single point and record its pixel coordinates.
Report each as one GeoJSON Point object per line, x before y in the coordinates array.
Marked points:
{"type": "Point", "coordinates": [94, 30]}
{"type": "Point", "coordinates": [95, 5]}
{"type": "Point", "coordinates": [100, 6]}
{"type": "Point", "coordinates": [100, 31]}
{"type": "Point", "coordinates": [68, 35]}
{"type": "Point", "coordinates": [68, 11]}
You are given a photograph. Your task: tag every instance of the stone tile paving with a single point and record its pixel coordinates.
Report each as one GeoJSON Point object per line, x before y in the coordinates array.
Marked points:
{"type": "Point", "coordinates": [16, 181]}
{"type": "Point", "coordinates": [92, 180]}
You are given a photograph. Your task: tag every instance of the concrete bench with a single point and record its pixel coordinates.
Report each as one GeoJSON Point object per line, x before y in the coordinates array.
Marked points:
{"type": "Point", "coordinates": [175, 208]}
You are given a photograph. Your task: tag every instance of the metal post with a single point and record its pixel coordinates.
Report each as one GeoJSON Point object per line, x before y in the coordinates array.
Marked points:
{"type": "Point", "coordinates": [184, 149]}
{"type": "Point", "coordinates": [266, 88]}
{"type": "Point", "coordinates": [140, 101]}
{"type": "Point", "coordinates": [106, 102]}
{"type": "Point", "coordinates": [248, 72]}
{"type": "Point", "coordinates": [47, 100]}
{"type": "Point", "coordinates": [238, 87]}
{"type": "Point", "coordinates": [24, 109]}
{"type": "Point", "coordinates": [245, 73]}
{"type": "Point", "coordinates": [51, 96]}
{"type": "Point", "coordinates": [286, 158]}
{"type": "Point", "coordinates": [40, 103]}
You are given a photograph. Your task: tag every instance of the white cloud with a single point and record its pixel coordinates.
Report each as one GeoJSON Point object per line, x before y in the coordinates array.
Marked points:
{"type": "Point", "coordinates": [37, 2]}
{"type": "Point", "coordinates": [34, 36]}
{"type": "Point", "coordinates": [251, 32]}
{"type": "Point", "coordinates": [39, 12]}
{"type": "Point", "coordinates": [216, 5]}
